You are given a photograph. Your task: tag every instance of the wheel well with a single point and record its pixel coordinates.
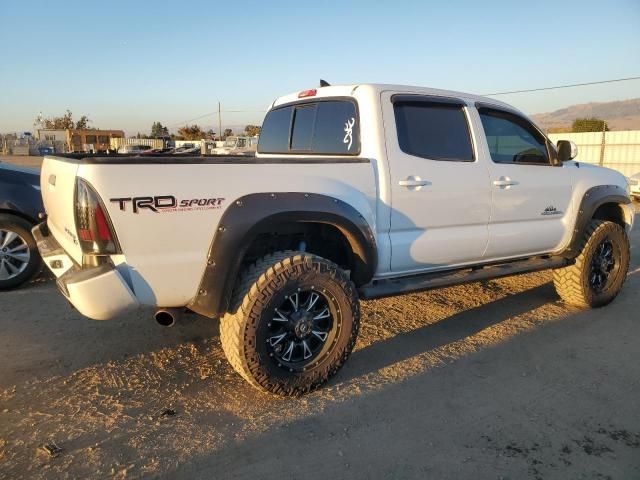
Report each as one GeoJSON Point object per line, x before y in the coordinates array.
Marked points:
{"type": "Point", "coordinates": [18, 214]}
{"type": "Point", "coordinates": [321, 239]}
{"type": "Point", "coordinates": [612, 212]}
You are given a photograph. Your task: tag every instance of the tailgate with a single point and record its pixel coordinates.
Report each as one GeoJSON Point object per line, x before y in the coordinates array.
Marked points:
{"type": "Point", "coordinates": [58, 179]}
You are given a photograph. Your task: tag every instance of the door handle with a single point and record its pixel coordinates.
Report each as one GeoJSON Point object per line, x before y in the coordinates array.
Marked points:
{"type": "Point", "coordinates": [413, 181]}
{"type": "Point", "coordinates": [504, 182]}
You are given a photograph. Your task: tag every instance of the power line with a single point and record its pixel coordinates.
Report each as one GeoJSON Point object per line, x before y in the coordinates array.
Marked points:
{"type": "Point", "coordinates": [191, 120]}
{"type": "Point", "coordinates": [563, 86]}
{"type": "Point", "coordinates": [485, 94]}
{"type": "Point", "coordinates": [210, 114]}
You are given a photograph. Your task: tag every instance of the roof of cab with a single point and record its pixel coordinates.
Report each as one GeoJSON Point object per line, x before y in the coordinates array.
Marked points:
{"type": "Point", "coordinates": [349, 90]}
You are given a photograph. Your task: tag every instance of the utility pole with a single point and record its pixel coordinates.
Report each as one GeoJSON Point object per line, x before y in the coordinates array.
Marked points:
{"type": "Point", "coordinates": [219, 122]}
{"type": "Point", "coordinates": [603, 142]}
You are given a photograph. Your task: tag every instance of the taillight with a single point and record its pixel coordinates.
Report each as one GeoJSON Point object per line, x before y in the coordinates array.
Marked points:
{"type": "Point", "coordinates": [307, 93]}
{"type": "Point", "coordinates": [95, 232]}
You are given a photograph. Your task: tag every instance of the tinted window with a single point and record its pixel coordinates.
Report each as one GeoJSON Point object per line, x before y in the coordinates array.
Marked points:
{"type": "Point", "coordinates": [512, 139]}
{"type": "Point", "coordinates": [303, 121]}
{"type": "Point", "coordinates": [336, 130]}
{"type": "Point", "coordinates": [274, 137]}
{"type": "Point", "coordinates": [323, 127]}
{"type": "Point", "coordinates": [91, 139]}
{"type": "Point", "coordinates": [434, 131]}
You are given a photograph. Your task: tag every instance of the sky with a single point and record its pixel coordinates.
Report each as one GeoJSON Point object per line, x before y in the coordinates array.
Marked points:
{"type": "Point", "coordinates": [126, 64]}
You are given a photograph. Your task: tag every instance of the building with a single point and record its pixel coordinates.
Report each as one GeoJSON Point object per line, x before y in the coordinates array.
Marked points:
{"type": "Point", "coordinates": [91, 141]}
{"type": "Point", "coordinates": [51, 135]}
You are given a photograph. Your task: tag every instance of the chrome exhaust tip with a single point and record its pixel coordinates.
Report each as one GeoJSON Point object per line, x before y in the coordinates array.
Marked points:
{"type": "Point", "coordinates": [166, 317]}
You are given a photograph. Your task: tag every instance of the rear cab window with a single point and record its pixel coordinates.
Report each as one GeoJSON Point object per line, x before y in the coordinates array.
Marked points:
{"type": "Point", "coordinates": [433, 128]}
{"type": "Point", "coordinates": [319, 127]}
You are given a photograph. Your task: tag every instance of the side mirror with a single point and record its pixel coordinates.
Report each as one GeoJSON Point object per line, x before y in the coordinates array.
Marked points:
{"type": "Point", "coordinates": [567, 150]}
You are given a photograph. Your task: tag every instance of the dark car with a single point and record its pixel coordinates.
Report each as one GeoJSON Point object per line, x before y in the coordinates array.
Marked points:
{"type": "Point", "coordinates": [158, 151]}
{"type": "Point", "coordinates": [20, 204]}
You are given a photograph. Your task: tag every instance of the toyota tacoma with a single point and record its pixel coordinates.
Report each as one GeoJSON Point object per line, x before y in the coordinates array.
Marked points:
{"type": "Point", "coordinates": [356, 192]}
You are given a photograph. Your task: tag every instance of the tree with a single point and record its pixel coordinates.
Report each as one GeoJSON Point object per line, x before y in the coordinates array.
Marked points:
{"type": "Point", "coordinates": [65, 122]}
{"type": "Point", "coordinates": [589, 125]}
{"type": "Point", "coordinates": [159, 131]}
{"type": "Point", "coordinates": [191, 132]}
{"type": "Point", "coordinates": [252, 130]}
{"type": "Point", "coordinates": [210, 135]}
{"type": "Point", "coordinates": [58, 123]}
{"type": "Point", "coordinates": [227, 132]}
{"type": "Point", "coordinates": [83, 123]}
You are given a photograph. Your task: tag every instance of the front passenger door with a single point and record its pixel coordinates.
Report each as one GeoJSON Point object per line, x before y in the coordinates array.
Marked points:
{"type": "Point", "coordinates": [530, 189]}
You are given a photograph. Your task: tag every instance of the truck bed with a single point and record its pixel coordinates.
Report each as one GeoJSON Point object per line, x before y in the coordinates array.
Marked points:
{"type": "Point", "coordinates": [124, 159]}
{"type": "Point", "coordinates": [174, 242]}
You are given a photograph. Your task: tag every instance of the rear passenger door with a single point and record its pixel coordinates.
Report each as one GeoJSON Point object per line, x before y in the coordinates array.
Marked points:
{"type": "Point", "coordinates": [531, 189]}
{"type": "Point", "coordinates": [440, 191]}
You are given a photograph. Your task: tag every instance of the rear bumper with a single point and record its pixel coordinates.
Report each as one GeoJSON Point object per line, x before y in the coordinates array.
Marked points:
{"type": "Point", "coordinates": [100, 293]}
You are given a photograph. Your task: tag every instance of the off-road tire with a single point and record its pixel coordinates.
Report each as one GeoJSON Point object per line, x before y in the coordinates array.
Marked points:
{"type": "Point", "coordinates": [23, 229]}
{"type": "Point", "coordinates": [572, 282]}
{"type": "Point", "coordinates": [261, 287]}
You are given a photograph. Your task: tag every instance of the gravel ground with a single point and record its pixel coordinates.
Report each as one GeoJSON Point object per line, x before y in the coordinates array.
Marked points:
{"type": "Point", "coordinates": [491, 380]}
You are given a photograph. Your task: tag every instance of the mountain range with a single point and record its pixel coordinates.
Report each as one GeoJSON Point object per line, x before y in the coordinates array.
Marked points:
{"type": "Point", "coordinates": [620, 115]}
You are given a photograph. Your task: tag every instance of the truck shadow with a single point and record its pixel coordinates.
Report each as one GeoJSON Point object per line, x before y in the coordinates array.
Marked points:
{"type": "Point", "coordinates": [466, 323]}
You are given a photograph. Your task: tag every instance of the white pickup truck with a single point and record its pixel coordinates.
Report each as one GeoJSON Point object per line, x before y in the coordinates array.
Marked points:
{"type": "Point", "coordinates": [356, 191]}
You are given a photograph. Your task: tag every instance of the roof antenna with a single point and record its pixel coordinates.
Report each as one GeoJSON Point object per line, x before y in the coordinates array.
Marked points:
{"type": "Point", "coordinates": [324, 83]}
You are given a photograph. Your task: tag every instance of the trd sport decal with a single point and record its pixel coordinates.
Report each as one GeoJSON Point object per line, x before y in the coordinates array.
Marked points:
{"type": "Point", "coordinates": [167, 203]}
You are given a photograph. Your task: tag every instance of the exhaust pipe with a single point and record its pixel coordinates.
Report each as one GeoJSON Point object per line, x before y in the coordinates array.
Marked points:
{"type": "Point", "coordinates": [166, 317]}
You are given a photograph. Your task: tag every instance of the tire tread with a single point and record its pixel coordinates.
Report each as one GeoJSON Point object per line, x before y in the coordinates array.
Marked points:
{"type": "Point", "coordinates": [568, 281]}
{"type": "Point", "coordinates": [254, 288]}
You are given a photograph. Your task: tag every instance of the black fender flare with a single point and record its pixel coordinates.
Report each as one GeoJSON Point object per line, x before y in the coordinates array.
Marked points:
{"type": "Point", "coordinates": [592, 199]}
{"type": "Point", "coordinates": [257, 213]}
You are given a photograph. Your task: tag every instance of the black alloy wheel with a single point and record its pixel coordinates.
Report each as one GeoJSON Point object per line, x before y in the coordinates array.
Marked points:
{"type": "Point", "coordinates": [302, 327]}
{"type": "Point", "coordinates": [603, 265]}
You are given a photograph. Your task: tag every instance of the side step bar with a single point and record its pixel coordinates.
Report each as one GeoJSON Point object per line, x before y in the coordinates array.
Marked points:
{"type": "Point", "coordinates": [428, 281]}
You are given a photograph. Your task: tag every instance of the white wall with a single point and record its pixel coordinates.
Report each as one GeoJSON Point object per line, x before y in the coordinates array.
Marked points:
{"type": "Point", "coordinates": [182, 143]}
{"type": "Point", "coordinates": [621, 149]}
{"type": "Point", "coordinates": [116, 143]}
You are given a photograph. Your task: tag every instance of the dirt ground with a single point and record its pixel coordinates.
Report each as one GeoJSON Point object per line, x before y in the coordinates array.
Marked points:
{"type": "Point", "coordinates": [493, 380]}
{"type": "Point", "coordinates": [27, 161]}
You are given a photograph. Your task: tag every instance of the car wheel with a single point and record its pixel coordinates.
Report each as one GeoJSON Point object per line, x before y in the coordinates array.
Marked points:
{"type": "Point", "coordinates": [19, 257]}
{"type": "Point", "coordinates": [599, 270]}
{"type": "Point", "coordinates": [293, 322]}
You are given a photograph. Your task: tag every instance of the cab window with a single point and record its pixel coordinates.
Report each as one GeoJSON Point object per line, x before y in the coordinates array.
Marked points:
{"type": "Point", "coordinates": [512, 139]}
{"type": "Point", "coordinates": [433, 129]}
{"type": "Point", "coordinates": [323, 127]}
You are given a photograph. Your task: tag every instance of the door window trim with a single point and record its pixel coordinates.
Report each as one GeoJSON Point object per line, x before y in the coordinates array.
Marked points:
{"type": "Point", "coordinates": [436, 101]}
{"type": "Point", "coordinates": [514, 113]}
